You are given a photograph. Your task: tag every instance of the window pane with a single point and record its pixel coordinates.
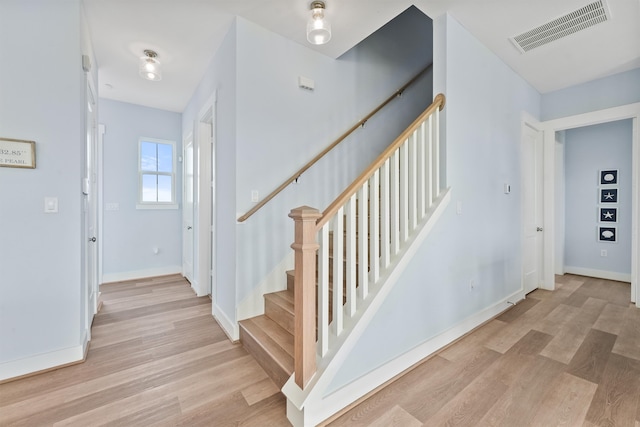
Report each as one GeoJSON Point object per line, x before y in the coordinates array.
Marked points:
{"type": "Point", "coordinates": [148, 156]}
{"type": "Point", "coordinates": [149, 188]}
{"type": "Point", "coordinates": [164, 188]}
{"type": "Point", "coordinates": [165, 158]}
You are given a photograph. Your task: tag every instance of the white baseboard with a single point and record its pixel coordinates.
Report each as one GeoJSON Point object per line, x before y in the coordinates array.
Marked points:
{"type": "Point", "coordinates": [42, 362]}
{"type": "Point", "coordinates": [229, 326]}
{"type": "Point", "coordinates": [599, 274]}
{"type": "Point", "coordinates": [141, 274]}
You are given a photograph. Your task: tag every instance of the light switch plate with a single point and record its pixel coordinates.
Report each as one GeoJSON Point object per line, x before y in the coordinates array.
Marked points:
{"type": "Point", "coordinates": [50, 205]}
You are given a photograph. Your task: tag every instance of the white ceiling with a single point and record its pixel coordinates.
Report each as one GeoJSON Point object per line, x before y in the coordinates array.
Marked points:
{"type": "Point", "coordinates": [187, 33]}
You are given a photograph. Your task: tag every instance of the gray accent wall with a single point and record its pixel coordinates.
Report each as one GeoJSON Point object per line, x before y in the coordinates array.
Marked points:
{"type": "Point", "coordinates": [587, 151]}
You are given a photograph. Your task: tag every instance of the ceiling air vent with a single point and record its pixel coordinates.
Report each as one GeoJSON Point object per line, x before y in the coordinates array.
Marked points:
{"type": "Point", "coordinates": [585, 17]}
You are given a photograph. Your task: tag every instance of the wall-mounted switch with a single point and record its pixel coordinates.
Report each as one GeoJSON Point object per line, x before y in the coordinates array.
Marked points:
{"type": "Point", "coordinates": [255, 196]}
{"type": "Point", "coordinates": [603, 252]}
{"type": "Point", "coordinates": [50, 205]}
{"type": "Point", "coordinates": [507, 188]}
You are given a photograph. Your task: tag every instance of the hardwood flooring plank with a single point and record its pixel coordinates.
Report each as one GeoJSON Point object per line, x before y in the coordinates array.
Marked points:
{"type": "Point", "coordinates": [610, 319]}
{"type": "Point", "coordinates": [566, 403]}
{"type": "Point", "coordinates": [628, 343]}
{"type": "Point", "coordinates": [396, 417]}
{"type": "Point", "coordinates": [472, 342]}
{"type": "Point", "coordinates": [259, 391]}
{"type": "Point", "coordinates": [614, 292]}
{"type": "Point", "coordinates": [517, 310]}
{"type": "Point", "coordinates": [524, 397]}
{"type": "Point", "coordinates": [616, 399]}
{"type": "Point", "coordinates": [576, 299]}
{"type": "Point", "coordinates": [565, 344]}
{"type": "Point", "coordinates": [591, 358]}
{"type": "Point", "coordinates": [553, 323]}
{"type": "Point", "coordinates": [118, 316]}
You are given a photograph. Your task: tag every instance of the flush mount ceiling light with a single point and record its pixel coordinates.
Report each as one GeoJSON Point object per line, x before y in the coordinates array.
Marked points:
{"type": "Point", "coordinates": [318, 29]}
{"type": "Point", "coordinates": [149, 66]}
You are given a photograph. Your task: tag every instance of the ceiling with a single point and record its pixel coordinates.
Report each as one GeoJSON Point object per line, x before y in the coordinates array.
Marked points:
{"type": "Point", "coordinates": [187, 33]}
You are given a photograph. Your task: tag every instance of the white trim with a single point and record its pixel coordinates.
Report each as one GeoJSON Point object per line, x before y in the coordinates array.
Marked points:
{"type": "Point", "coordinates": [600, 274]}
{"type": "Point", "coordinates": [142, 274]}
{"type": "Point", "coordinates": [338, 400]}
{"type": "Point", "coordinates": [152, 206]}
{"type": "Point", "coordinates": [629, 111]}
{"type": "Point", "coordinates": [101, 131]}
{"type": "Point", "coordinates": [42, 362]}
{"type": "Point", "coordinates": [229, 327]}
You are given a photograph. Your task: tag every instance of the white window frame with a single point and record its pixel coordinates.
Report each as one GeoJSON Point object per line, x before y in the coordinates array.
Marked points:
{"type": "Point", "coordinates": [157, 205]}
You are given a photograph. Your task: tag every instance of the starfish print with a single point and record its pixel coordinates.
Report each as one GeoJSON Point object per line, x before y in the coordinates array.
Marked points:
{"type": "Point", "coordinates": [608, 196]}
{"type": "Point", "coordinates": [608, 215]}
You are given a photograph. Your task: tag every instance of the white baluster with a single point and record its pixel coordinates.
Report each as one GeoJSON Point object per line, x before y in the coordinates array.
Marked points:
{"type": "Point", "coordinates": [351, 256]}
{"type": "Point", "coordinates": [436, 154]}
{"type": "Point", "coordinates": [413, 176]}
{"type": "Point", "coordinates": [421, 173]}
{"type": "Point", "coordinates": [374, 226]}
{"type": "Point", "coordinates": [385, 234]}
{"type": "Point", "coordinates": [395, 202]}
{"type": "Point", "coordinates": [429, 161]}
{"type": "Point", "coordinates": [338, 271]}
{"type": "Point", "coordinates": [363, 247]}
{"type": "Point", "coordinates": [404, 192]}
{"type": "Point", "coordinates": [323, 291]}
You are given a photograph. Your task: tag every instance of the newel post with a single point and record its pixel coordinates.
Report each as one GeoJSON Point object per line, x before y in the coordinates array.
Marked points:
{"type": "Point", "coordinates": [305, 248]}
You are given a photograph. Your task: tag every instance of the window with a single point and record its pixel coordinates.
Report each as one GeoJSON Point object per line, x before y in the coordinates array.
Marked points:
{"type": "Point", "coordinates": [156, 174]}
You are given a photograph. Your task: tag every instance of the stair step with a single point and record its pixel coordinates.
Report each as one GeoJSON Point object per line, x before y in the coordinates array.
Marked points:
{"type": "Point", "coordinates": [279, 307]}
{"type": "Point", "coordinates": [270, 345]}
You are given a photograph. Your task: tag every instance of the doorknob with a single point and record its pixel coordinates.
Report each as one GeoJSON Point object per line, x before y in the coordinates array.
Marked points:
{"type": "Point", "coordinates": [189, 227]}
{"type": "Point", "coordinates": [93, 239]}
{"type": "Point", "coordinates": [538, 228]}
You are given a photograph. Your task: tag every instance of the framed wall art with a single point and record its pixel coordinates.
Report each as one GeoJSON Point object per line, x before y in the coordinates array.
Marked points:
{"type": "Point", "coordinates": [609, 177]}
{"type": "Point", "coordinates": [17, 153]}
{"type": "Point", "coordinates": [607, 234]}
{"type": "Point", "coordinates": [608, 195]}
{"type": "Point", "coordinates": [608, 214]}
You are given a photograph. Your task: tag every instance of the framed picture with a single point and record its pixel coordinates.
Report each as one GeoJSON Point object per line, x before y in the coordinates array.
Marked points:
{"type": "Point", "coordinates": [17, 153]}
{"type": "Point", "coordinates": [608, 195]}
{"type": "Point", "coordinates": [609, 177]}
{"type": "Point", "coordinates": [608, 214]}
{"type": "Point", "coordinates": [607, 234]}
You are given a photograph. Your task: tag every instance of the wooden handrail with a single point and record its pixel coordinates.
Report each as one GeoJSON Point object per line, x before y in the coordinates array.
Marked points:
{"type": "Point", "coordinates": [331, 210]}
{"type": "Point", "coordinates": [342, 137]}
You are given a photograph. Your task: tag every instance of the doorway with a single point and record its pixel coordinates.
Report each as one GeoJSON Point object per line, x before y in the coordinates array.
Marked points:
{"type": "Point", "coordinates": [187, 208]}
{"type": "Point", "coordinates": [532, 207]}
{"type": "Point", "coordinates": [551, 127]}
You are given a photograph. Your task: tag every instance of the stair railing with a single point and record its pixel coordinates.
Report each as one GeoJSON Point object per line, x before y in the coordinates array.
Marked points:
{"type": "Point", "coordinates": [331, 146]}
{"type": "Point", "coordinates": [360, 233]}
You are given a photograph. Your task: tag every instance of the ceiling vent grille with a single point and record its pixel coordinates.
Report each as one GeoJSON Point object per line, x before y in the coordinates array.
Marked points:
{"type": "Point", "coordinates": [585, 17]}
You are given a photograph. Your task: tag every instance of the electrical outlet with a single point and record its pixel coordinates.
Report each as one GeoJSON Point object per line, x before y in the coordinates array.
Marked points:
{"type": "Point", "coordinates": [603, 252]}
{"type": "Point", "coordinates": [255, 197]}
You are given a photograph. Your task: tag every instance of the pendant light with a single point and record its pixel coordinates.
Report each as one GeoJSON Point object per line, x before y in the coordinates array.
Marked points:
{"type": "Point", "coordinates": [318, 29]}
{"type": "Point", "coordinates": [149, 66]}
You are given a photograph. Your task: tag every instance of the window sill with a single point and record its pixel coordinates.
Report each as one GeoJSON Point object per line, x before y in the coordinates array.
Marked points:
{"type": "Point", "coordinates": [152, 206]}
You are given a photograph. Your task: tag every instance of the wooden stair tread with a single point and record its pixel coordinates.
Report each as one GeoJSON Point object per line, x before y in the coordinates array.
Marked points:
{"type": "Point", "coordinates": [271, 346]}
{"type": "Point", "coordinates": [279, 307]}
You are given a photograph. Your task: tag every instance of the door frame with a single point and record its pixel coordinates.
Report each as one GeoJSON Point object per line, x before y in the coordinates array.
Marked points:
{"type": "Point", "coordinates": [187, 140]}
{"type": "Point", "coordinates": [550, 127]}
{"type": "Point", "coordinates": [531, 123]}
{"type": "Point", "coordinates": [204, 172]}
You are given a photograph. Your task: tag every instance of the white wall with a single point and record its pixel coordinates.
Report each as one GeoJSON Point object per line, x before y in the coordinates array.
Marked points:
{"type": "Point", "coordinates": [40, 254]}
{"type": "Point", "coordinates": [588, 150]}
{"type": "Point", "coordinates": [130, 234]}
{"type": "Point", "coordinates": [485, 100]}
{"type": "Point", "coordinates": [607, 92]}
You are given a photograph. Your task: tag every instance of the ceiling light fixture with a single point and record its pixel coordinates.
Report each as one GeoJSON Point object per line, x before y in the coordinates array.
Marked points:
{"type": "Point", "coordinates": [149, 66]}
{"type": "Point", "coordinates": [318, 29]}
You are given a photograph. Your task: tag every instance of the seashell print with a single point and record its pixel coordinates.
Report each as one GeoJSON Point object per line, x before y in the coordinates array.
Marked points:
{"type": "Point", "coordinates": [609, 177]}
{"type": "Point", "coordinates": [607, 234]}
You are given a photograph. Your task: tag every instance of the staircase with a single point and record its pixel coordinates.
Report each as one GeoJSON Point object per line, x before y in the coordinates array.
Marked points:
{"type": "Point", "coordinates": [308, 329]}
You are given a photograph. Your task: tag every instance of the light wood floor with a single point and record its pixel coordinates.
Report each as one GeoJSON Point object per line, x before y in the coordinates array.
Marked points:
{"type": "Point", "coordinates": [569, 357]}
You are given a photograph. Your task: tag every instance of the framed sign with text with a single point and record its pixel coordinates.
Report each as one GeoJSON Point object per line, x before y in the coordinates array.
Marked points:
{"type": "Point", "coordinates": [17, 153]}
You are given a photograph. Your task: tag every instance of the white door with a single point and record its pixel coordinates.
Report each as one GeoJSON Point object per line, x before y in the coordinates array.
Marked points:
{"type": "Point", "coordinates": [532, 208]}
{"type": "Point", "coordinates": [187, 210]}
{"type": "Point", "coordinates": [90, 191]}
